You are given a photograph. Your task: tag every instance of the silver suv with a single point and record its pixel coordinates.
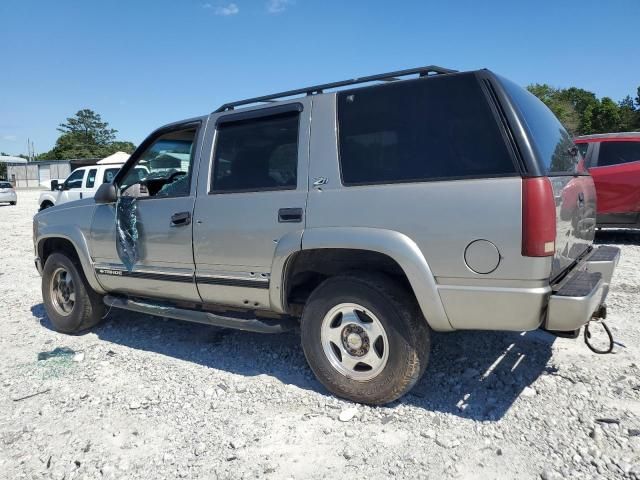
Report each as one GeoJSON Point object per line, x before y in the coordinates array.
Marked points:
{"type": "Point", "coordinates": [369, 215]}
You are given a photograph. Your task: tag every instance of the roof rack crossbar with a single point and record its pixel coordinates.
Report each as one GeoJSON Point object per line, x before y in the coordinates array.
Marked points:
{"type": "Point", "coordinates": [390, 76]}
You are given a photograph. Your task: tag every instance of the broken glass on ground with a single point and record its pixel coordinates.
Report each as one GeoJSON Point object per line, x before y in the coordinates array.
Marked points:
{"type": "Point", "coordinates": [58, 352]}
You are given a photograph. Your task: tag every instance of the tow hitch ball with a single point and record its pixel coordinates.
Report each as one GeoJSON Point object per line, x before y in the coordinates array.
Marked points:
{"type": "Point", "coordinates": [598, 318]}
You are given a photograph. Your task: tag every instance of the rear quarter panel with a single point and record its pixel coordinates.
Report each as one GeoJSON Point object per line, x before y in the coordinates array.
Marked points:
{"type": "Point", "coordinates": [441, 217]}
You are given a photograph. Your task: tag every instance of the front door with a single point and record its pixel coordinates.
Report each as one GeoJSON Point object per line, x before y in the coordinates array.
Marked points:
{"type": "Point", "coordinates": [72, 186]}
{"type": "Point", "coordinates": [161, 176]}
{"type": "Point", "coordinates": [252, 196]}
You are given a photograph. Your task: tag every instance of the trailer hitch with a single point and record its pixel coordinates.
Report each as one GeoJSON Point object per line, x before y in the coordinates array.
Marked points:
{"type": "Point", "coordinates": [598, 318]}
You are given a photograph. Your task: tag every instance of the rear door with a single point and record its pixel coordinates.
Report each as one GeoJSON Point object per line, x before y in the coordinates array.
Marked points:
{"type": "Point", "coordinates": [616, 173]}
{"type": "Point", "coordinates": [559, 159]}
{"type": "Point", "coordinates": [89, 185]}
{"type": "Point", "coordinates": [252, 193]}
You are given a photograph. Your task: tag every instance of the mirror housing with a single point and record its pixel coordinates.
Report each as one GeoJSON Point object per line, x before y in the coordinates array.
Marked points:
{"type": "Point", "coordinates": [54, 185]}
{"type": "Point", "coordinates": [106, 193]}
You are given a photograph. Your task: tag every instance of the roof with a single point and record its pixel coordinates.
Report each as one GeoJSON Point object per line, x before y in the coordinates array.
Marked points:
{"type": "Point", "coordinates": [318, 89]}
{"type": "Point", "coordinates": [609, 136]}
{"type": "Point", "coordinates": [117, 158]}
{"type": "Point", "coordinates": [10, 159]}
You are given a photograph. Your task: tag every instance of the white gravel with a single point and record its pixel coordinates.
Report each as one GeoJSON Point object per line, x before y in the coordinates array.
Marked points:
{"type": "Point", "coordinates": [144, 397]}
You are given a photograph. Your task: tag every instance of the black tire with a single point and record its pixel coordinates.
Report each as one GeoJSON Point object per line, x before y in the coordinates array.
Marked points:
{"type": "Point", "coordinates": [12, 203]}
{"type": "Point", "coordinates": [45, 205]}
{"type": "Point", "coordinates": [87, 309]}
{"type": "Point", "coordinates": [405, 327]}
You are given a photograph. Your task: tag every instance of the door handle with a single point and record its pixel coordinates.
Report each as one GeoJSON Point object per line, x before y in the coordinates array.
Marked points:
{"type": "Point", "coordinates": [180, 219]}
{"type": "Point", "coordinates": [290, 215]}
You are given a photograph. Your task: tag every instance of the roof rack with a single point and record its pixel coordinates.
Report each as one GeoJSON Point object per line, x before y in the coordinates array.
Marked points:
{"type": "Point", "coordinates": [384, 77]}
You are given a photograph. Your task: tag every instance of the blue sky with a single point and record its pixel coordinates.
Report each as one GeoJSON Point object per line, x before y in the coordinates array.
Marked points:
{"type": "Point", "coordinates": [142, 63]}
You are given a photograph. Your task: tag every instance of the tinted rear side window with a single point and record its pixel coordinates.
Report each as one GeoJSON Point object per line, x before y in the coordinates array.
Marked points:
{"type": "Point", "coordinates": [257, 154]}
{"type": "Point", "coordinates": [615, 153]}
{"type": "Point", "coordinates": [5, 185]}
{"type": "Point", "coordinates": [554, 146]}
{"type": "Point", "coordinates": [425, 129]}
{"type": "Point", "coordinates": [91, 178]}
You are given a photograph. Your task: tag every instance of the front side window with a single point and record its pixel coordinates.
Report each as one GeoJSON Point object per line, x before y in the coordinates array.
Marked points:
{"type": "Point", "coordinates": [91, 178]}
{"type": "Point", "coordinates": [74, 180]}
{"type": "Point", "coordinates": [256, 154]}
{"type": "Point", "coordinates": [419, 130]}
{"type": "Point", "coordinates": [5, 185]}
{"type": "Point", "coordinates": [556, 152]}
{"type": "Point", "coordinates": [583, 147]}
{"type": "Point", "coordinates": [164, 168]}
{"type": "Point", "coordinates": [615, 153]}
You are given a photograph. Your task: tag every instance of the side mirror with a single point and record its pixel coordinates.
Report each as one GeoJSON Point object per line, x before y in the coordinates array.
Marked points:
{"type": "Point", "coordinates": [54, 185]}
{"type": "Point", "coordinates": [106, 193]}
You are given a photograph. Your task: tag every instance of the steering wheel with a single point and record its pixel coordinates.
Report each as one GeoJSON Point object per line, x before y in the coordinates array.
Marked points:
{"type": "Point", "coordinates": [173, 176]}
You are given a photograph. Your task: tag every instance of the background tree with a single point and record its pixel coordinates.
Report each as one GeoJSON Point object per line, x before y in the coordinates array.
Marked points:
{"type": "Point", "coordinates": [85, 135]}
{"type": "Point", "coordinates": [88, 126]}
{"type": "Point", "coordinates": [583, 113]}
{"type": "Point", "coordinates": [3, 167]}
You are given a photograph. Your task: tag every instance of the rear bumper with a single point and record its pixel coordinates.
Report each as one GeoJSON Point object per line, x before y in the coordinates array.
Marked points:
{"type": "Point", "coordinates": [566, 307]}
{"type": "Point", "coordinates": [574, 301]}
{"type": "Point", "coordinates": [8, 197]}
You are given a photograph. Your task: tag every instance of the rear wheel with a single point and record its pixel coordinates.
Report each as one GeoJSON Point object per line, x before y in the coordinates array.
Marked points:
{"type": "Point", "coordinates": [12, 203]}
{"type": "Point", "coordinates": [365, 338]}
{"type": "Point", "coordinates": [71, 304]}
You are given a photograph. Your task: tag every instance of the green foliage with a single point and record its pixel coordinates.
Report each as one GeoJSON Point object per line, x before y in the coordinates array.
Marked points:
{"type": "Point", "coordinates": [583, 113]}
{"type": "Point", "coordinates": [3, 167]}
{"type": "Point", "coordinates": [85, 135]}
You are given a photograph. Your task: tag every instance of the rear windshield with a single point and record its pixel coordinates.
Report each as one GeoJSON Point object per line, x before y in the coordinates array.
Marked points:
{"type": "Point", "coordinates": [615, 153]}
{"type": "Point", "coordinates": [418, 130]}
{"type": "Point", "coordinates": [553, 144]}
{"type": "Point", "coordinates": [5, 185]}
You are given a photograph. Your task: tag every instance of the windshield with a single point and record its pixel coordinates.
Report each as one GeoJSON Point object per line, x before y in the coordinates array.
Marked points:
{"type": "Point", "coordinates": [556, 152]}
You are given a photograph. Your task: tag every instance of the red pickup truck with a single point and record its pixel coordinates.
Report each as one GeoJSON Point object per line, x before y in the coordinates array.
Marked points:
{"type": "Point", "coordinates": [613, 159]}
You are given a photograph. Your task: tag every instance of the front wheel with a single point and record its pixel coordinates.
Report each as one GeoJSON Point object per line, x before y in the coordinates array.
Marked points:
{"type": "Point", "coordinates": [365, 338]}
{"type": "Point", "coordinates": [71, 304]}
{"type": "Point", "coordinates": [12, 203]}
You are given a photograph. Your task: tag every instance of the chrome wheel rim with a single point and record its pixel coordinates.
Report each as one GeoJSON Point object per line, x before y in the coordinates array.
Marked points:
{"type": "Point", "coordinates": [63, 295]}
{"type": "Point", "coordinates": [354, 341]}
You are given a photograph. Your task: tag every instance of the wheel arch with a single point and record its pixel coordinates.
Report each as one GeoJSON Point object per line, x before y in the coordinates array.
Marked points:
{"type": "Point", "coordinates": [393, 251]}
{"type": "Point", "coordinates": [46, 203]}
{"type": "Point", "coordinates": [73, 245]}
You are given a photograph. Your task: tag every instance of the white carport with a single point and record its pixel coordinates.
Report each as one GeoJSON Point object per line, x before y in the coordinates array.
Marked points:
{"type": "Point", "coordinates": [117, 158]}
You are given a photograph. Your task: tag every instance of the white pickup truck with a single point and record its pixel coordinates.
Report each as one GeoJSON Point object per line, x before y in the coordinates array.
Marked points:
{"type": "Point", "coordinates": [82, 183]}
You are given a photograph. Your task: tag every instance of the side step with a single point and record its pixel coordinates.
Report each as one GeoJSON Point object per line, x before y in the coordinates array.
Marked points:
{"type": "Point", "coordinates": [198, 316]}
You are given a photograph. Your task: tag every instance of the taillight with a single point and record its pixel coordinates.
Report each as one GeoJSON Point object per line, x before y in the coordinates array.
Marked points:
{"type": "Point", "coordinates": [538, 218]}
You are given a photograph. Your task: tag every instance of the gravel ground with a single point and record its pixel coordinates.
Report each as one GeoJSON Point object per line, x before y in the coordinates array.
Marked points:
{"type": "Point", "coordinates": [145, 397]}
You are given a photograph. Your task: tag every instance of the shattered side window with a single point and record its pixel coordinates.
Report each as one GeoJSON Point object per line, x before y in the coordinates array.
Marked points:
{"type": "Point", "coordinates": [164, 168]}
{"type": "Point", "coordinates": [127, 231]}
